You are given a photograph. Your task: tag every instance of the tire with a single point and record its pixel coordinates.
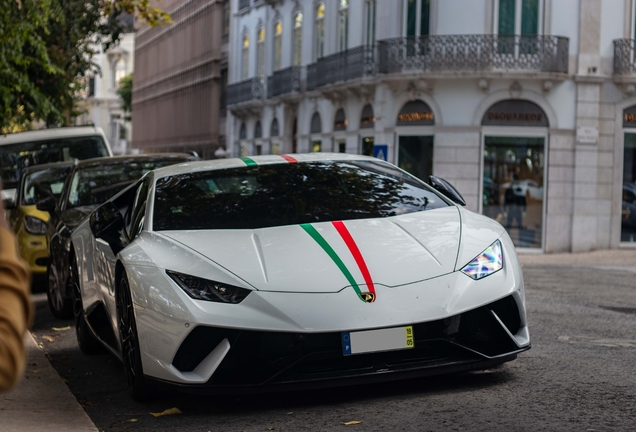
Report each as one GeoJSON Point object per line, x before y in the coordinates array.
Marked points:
{"type": "Point", "coordinates": [139, 387]}
{"type": "Point", "coordinates": [87, 342]}
{"type": "Point", "coordinates": [61, 306]}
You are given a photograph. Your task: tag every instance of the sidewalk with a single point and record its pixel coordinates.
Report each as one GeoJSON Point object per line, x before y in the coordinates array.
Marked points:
{"type": "Point", "coordinates": [618, 258]}
{"type": "Point", "coordinates": [42, 401]}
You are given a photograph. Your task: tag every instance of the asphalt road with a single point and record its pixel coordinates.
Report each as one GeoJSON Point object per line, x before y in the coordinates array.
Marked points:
{"type": "Point", "coordinates": [578, 376]}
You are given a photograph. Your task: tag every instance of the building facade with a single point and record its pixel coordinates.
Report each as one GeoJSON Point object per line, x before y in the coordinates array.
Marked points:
{"type": "Point", "coordinates": [179, 80]}
{"type": "Point", "coordinates": [101, 105]}
{"type": "Point", "coordinates": [528, 107]}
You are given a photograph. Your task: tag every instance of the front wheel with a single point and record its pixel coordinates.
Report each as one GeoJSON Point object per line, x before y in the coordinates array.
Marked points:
{"type": "Point", "coordinates": [137, 384]}
{"type": "Point", "coordinates": [60, 305]}
{"type": "Point", "coordinates": [87, 342]}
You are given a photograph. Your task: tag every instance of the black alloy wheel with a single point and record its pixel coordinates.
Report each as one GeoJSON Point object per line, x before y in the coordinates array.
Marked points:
{"type": "Point", "coordinates": [131, 357]}
{"type": "Point", "coordinates": [61, 306]}
{"type": "Point", "coordinates": [87, 342]}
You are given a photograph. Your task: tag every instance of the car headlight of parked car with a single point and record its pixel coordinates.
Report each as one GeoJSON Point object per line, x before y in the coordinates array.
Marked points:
{"type": "Point", "coordinates": [33, 225]}
{"type": "Point", "coordinates": [486, 263]}
{"type": "Point", "coordinates": [204, 289]}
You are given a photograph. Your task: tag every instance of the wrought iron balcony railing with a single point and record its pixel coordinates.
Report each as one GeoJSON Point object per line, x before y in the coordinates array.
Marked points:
{"type": "Point", "coordinates": [245, 91]}
{"type": "Point", "coordinates": [475, 53]}
{"type": "Point", "coordinates": [284, 81]}
{"type": "Point", "coordinates": [343, 66]}
{"type": "Point", "coordinates": [624, 56]}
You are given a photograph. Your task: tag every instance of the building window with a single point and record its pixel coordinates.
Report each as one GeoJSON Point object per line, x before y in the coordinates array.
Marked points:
{"type": "Point", "coordinates": [418, 17]}
{"type": "Point", "coordinates": [243, 132]}
{"type": "Point", "coordinates": [367, 119]}
{"type": "Point", "coordinates": [343, 30]}
{"type": "Point", "coordinates": [260, 47]}
{"type": "Point", "coordinates": [273, 131]}
{"type": "Point", "coordinates": [278, 45]}
{"type": "Point", "coordinates": [246, 57]}
{"type": "Point", "coordinates": [298, 38]}
{"type": "Point", "coordinates": [340, 121]}
{"type": "Point", "coordinates": [370, 22]}
{"type": "Point", "coordinates": [91, 86]}
{"type": "Point", "coordinates": [226, 18]}
{"type": "Point", "coordinates": [119, 72]}
{"type": "Point", "coordinates": [223, 98]}
{"type": "Point", "coordinates": [258, 130]}
{"type": "Point", "coordinates": [320, 31]}
{"type": "Point", "coordinates": [518, 17]}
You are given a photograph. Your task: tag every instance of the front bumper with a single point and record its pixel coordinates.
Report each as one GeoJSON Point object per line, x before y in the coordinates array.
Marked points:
{"type": "Point", "coordinates": [258, 361]}
{"type": "Point", "coordinates": [34, 249]}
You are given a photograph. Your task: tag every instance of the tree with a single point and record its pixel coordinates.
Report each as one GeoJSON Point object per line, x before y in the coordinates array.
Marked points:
{"type": "Point", "coordinates": [125, 95]}
{"type": "Point", "coordinates": [46, 48]}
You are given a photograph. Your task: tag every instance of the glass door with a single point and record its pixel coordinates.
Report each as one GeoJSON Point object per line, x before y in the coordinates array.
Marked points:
{"type": "Point", "coordinates": [415, 155]}
{"type": "Point", "coordinates": [513, 186]}
{"type": "Point", "coordinates": [628, 208]}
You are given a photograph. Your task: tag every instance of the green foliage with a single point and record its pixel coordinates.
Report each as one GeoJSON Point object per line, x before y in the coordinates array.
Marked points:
{"type": "Point", "coordinates": [46, 48]}
{"type": "Point", "coordinates": [124, 91]}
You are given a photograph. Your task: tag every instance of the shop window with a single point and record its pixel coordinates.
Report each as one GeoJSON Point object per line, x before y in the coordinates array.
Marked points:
{"type": "Point", "coordinates": [342, 147]}
{"type": "Point", "coordinates": [340, 121]}
{"type": "Point", "coordinates": [316, 146]}
{"type": "Point", "coordinates": [367, 146]}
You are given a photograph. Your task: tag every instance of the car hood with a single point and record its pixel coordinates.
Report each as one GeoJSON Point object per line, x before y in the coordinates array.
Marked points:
{"type": "Point", "coordinates": [396, 251]}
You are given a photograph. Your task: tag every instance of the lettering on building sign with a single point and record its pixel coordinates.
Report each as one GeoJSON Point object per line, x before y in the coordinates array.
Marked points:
{"type": "Point", "coordinates": [528, 117]}
{"type": "Point", "coordinates": [587, 134]}
{"type": "Point", "coordinates": [416, 116]}
{"type": "Point", "coordinates": [630, 118]}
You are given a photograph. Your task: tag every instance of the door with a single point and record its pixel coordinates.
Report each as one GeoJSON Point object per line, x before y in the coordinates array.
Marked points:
{"type": "Point", "coordinates": [513, 187]}
{"type": "Point", "coordinates": [415, 155]}
{"type": "Point", "coordinates": [628, 205]}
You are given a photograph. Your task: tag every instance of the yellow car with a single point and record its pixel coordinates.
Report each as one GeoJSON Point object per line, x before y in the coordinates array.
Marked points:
{"type": "Point", "coordinates": [29, 223]}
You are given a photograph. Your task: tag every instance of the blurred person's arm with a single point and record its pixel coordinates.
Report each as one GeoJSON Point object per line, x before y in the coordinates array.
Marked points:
{"type": "Point", "coordinates": [15, 307]}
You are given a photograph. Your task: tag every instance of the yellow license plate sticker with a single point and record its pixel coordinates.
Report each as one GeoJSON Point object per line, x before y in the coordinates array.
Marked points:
{"type": "Point", "coordinates": [391, 339]}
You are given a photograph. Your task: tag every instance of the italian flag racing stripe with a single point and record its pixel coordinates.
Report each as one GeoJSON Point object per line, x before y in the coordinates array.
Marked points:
{"type": "Point", "coordinates": [288, 158]}
{"type": "Point", "coordinates": [332, 254]}
{"type": "Point", "coordinates": [248, 161]}
{"type": "Point", "coordinates": [353, 248]}
{"type": "Point", "coordinates": [355, 252]}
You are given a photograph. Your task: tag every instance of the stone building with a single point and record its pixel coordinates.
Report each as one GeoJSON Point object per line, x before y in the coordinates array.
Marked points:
{"type": "Point", "coordinates": [179, 81]}
{"type": "Point", "coordinates": [527, 106]}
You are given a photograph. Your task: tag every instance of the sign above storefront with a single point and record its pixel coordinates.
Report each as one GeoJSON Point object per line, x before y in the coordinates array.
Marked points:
{"type": "Point", "coordinates": [515, 113]}
{"type": "Point", "coordinates": [629, 117]}
{"type": "Point", "coordinates": [416, 113]}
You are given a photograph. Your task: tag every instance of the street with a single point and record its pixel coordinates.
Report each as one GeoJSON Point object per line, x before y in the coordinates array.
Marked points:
{"type": "Point", "coordinates": [578, 376]}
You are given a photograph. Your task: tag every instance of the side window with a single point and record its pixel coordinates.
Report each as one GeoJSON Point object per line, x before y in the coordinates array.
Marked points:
{"type": "Point", "coordinates": [136, 212]}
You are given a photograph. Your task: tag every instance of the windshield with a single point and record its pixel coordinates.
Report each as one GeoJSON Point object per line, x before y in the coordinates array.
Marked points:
{"type": "Point", "coordinates": [15, 157]}
{"type": "Point", "coordinates": [42, 184]}
{"type": "Point", "coordinates": [94, 185]}
{"type": "Point", "coordinates": [287, 194]}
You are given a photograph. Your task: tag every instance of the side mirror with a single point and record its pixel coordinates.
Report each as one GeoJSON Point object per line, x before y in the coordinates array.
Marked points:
{"type": "Point", "coordinates": [106, 223]}
{"type": "Point", "coordinates": [48, 204]}
{"type": "Point", "coordinates": [446, 189]}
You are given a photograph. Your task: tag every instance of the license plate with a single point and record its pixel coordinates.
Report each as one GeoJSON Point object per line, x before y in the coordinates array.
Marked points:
{"type": "Point", "coordinates": [390, 339]}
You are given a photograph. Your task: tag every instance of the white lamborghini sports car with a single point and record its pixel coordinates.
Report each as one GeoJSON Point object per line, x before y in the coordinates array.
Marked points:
{"type": "Point", "coordinates": [285, 271]}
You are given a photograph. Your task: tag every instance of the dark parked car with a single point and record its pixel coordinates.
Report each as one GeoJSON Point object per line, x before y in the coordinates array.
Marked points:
{"type": "Point", "coordinates": [628, 214]}
{"type": "Point", "coordinates": [88, 185]}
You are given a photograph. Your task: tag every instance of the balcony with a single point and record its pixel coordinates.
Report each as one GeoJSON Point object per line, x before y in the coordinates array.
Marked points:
{"type": "Point", "coordinates": [347, 65]}
{"type": "Point", "coordinates": [284, 82]}
{"type": "Point", "coordinates": [474, 53]}
{"type": "Point", "coordinates": [249, 90]}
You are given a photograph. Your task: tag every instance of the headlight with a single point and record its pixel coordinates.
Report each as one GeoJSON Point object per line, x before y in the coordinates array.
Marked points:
{"type": "Point", "coordinates": [488, 262]}
{"type": "Point", "coordinates": [203, 289]}
{"type": "Point", "coordinates": [34, 225]}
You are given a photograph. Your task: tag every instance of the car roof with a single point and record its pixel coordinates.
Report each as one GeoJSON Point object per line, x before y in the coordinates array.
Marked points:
{"type": "Point", "coordinates": [35, 168]}
{"type": "Point", "coordinates": [118, 160]}
{"type": "Point", "coordinates": [46, 134]}
{"type": "Point", "coordinates": [219, 164]}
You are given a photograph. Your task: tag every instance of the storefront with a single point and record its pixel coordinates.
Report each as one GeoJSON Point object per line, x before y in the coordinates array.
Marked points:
{"type": "Point", "coordinates": [415, 139]}
{"type": "Point", "coordinates": [367, 124]}
{"type": "Point", "coordinates": [315, 141]}
{"type": "Point", "coordinates": [514, 142]}
{"type": "Point", "coordinates": [628, 206]}
{"type": "Point", "coordinates": [340, 131]}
